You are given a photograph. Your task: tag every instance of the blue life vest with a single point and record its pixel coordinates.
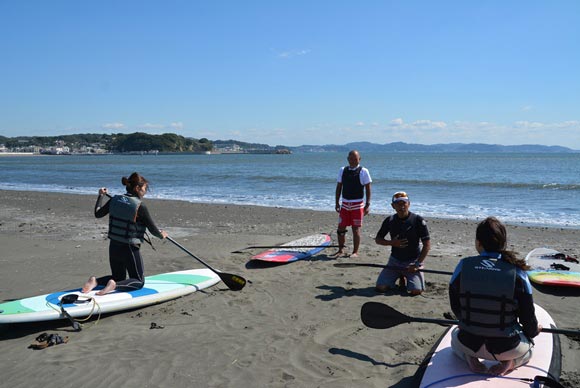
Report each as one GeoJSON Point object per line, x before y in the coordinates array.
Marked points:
{"type": "Point", "coordinates": [351, 186]}
{"type": "Point", "coordinates": [123, 225]}
{"type": "Point", "coordinates": [487, 288]}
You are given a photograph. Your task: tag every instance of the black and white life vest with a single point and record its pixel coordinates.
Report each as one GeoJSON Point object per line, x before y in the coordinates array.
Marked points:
{"type": "Point", "coordinates": [123, 226]}
{"type": "Point", "coordinates": [487, 288]}
{"type": "Point", "coordinates": [351, 186]}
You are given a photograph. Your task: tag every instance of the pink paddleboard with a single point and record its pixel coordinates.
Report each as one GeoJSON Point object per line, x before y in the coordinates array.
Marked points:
{"type": "Point", "coordinates": [443, 368]}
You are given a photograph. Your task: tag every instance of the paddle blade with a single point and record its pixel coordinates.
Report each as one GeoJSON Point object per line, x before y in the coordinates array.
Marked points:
{"type": "Point", "coordinates": [380, 316]}
{"type": "Point", "coordinates": [234, 282]}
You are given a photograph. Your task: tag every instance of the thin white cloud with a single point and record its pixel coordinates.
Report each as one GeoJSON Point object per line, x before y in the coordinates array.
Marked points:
{"type": "Point", "coordinates": [573, 124]}
{"type": "Point", "coordinates": [151, 126]}
{"type": "Point", "coordinates": [428, 124]}
{"type": "Point", "coordinates": [114, 126]}
{"type": "Point", "coordinates": [418, 124]}
{"type": "Point", "coordinates": [173, 126]}
{"type": "Point", "coordinates": [291, 53]}
{"type": "Point", "coordinates": [176, 125]}
{"type": "Point", "coordinates": [529, 124]}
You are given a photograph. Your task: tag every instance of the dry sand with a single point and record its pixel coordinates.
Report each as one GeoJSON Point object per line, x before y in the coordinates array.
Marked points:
{"type": "Point", "coordinates": [294, 325]}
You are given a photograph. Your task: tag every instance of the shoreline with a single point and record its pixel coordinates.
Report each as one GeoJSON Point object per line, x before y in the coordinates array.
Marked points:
{"type": "Point", "coordinates": [383, 214]}
{"type": "Point", "coordinates": [294, 325]}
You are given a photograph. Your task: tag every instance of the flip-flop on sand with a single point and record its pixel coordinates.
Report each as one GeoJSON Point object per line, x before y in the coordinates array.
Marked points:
{"type": "Point", "coordinates": [45, 340]}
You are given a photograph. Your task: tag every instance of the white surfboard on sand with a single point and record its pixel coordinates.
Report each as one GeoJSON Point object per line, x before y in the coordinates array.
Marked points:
{"type": "Point", "coordinates": [158, 288]}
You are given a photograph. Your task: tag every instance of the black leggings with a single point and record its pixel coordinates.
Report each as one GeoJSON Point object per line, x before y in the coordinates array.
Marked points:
{"type": "Point", "coordinates": [124, 258]}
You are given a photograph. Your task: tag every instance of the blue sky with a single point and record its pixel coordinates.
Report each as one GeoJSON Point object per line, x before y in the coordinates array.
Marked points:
{"type": "Point", "coordinates": [294, 72]}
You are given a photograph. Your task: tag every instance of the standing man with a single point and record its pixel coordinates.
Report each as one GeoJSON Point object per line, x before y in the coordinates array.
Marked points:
{"type": "Point", "coordinates": [408, 230]}
{"type": "Point", "coordinates": [353, 184]}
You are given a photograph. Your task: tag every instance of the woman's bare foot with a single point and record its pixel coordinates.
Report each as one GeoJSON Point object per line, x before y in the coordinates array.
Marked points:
{"type": "Point", "coordinates": [503, 368]}
{"type": "Point", "coordinates": [475, 365]}
{"type": "Point", "coordinates": [111, 285]}
{"type": "Point", "coordinates": [89, 285]}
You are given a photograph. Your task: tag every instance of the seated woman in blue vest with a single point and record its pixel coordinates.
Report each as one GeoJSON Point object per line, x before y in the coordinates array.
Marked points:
{"type": "Point", "coordinates": [491, 296]}
{"type": "Point", "coordinates": [128, 221]}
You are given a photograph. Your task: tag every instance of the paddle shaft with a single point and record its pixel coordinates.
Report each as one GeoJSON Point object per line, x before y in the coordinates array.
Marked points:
{"type": "Point", "coordinates": [192, 255]}
{"type": "Point", "coordinates": [234, 282]}
{"type": "Point", "coordinates": [454, 322]}
{"type": "Point", "coordinates": [387, 313]}
{"type": "Point", "coordinates": [352, 265]}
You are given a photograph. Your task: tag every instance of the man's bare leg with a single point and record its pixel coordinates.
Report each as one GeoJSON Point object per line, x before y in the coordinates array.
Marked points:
{"type": "Point", "coordinates": [355, 241]}
{"type": "Point", "coordinates": [341, 234]}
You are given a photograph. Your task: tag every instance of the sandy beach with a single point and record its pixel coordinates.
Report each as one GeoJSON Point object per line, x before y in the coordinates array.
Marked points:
{"type": "Point", "coordinates": [294, 325]}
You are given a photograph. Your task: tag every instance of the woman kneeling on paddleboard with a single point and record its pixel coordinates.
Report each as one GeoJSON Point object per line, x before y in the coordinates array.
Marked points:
{"type": "Point", "coordinates": [491, 296]}
{"type": "Point", "coordinates": [128, 221]}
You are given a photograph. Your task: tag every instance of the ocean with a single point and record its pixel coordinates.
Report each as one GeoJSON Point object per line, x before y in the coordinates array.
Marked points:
{"type": "Point", "coordinates": [519, 188]}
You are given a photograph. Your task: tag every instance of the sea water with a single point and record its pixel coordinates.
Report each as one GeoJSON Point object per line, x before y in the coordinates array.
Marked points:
{"type": "Point", "coordinates": [529, 189]}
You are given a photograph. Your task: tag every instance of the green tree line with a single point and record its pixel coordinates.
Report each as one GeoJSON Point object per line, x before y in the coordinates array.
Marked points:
{"type": "Point", "coordinates": [134, 142]}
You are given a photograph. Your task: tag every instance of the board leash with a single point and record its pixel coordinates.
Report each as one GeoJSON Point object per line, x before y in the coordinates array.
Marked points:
{"type": "Point", "coordinates": [77, 323]}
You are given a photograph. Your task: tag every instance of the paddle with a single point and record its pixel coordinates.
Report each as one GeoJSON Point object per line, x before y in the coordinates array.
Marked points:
{"type": "Point", "coordinates": [285, 246]}
{"type": "Point", "coordinates": [234, 282]}
{"type": "Point", "coordinates": [352, 265]}
{"type": "Point", "coordinates": [380, 316]}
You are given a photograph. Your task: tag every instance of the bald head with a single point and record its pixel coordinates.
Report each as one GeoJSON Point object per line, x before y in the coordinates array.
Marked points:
{"type": "Point", "coordinates": [353, 158]}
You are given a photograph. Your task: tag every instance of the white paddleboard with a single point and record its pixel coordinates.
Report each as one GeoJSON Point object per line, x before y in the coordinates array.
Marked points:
{"type": "Point", "coordinates": [157, 288]}
{"type": "Point", "coordinates": [445, 369]}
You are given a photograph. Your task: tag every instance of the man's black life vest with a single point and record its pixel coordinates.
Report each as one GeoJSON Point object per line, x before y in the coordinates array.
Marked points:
{"type": "Point", "coordinates": [405, 229]}
{"type": "Point", "coordinates": [123, 226]}
{"type": "Point", "coordinates": [351, 186]}
{"type": "Point", "coordinates": [487, 300]}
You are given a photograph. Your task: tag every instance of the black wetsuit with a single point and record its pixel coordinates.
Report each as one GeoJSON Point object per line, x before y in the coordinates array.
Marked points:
{"type": "Point", "coordinates": [126, 258]}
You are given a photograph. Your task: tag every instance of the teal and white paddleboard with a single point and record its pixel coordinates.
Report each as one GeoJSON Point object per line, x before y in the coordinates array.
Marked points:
{"type": "Point", "coordinates": [157, 289]}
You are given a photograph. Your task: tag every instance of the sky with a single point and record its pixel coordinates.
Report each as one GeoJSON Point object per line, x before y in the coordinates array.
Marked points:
{"type": "Point", "coordinates": [294, 72]}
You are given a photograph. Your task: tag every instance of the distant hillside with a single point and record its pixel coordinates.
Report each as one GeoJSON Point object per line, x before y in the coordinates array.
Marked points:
{"type": "Point", "coordinates": [171, 142]}
{"type": "Point", "coordinates": [452, 147]}
{"type": "Point", "coordinates": [120, 142]}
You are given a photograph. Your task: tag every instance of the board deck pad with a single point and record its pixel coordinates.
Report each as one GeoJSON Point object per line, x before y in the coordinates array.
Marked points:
{"type": "Point", "coordinates": [287, 255]}
{"type": "Point", "coordinates": [443, 368]}
{"type": "Point", "coordinates": [543, 262]}
{"type": "Point", "coordinates": [157, 288]}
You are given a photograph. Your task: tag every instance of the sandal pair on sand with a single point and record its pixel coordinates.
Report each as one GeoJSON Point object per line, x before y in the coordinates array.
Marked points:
{"type": "Point", "coordinates": [45, 340]}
